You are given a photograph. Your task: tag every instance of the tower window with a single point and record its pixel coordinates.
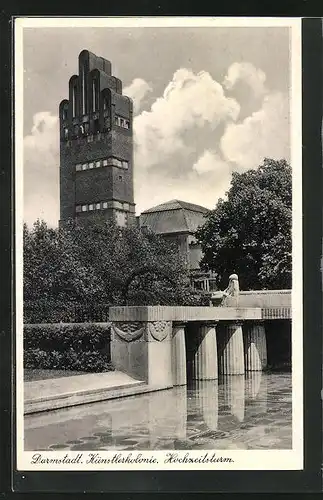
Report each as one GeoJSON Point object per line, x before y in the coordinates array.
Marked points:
{"type": "Point", "coordinates": [66, 133]}
{"type": "Point", "coordinates": [94, 95]}
{"type": "Point", "coordinates": [98, 164]}
{"type": "Point", "coordinates": [74, 101]}
{"type": "Point", "coordinates": [96, 126]}
{"type": "Point", "coordinates": [78, 167]}
{"type": "Point", "coordinates": [91, 165]}
{"type": "Point", "coordinates": [121, 122]}
{"type": "Point", "coordinates": [105, 163]}
{"type": "Point", "coordinates": [84, 166]}
{"type": "Point", "coordinates": [124, 164]}
{"type": "Point", "coordinates": [78, 208]}
{"type": "Point", "coordinates": [90, 138]}
{"type": "Point", "coordinates": [84, 208]}
{"type": "Point", "coordinates": [83, 92]}
{"type": "Point", "coordinates": [98, 206]}
{"type": "Point", "coordinates": [91, 206]}
{"type": "Point", "coordinates": [120, 177]}
{"type": "Point", "coordinates": [105, 204]}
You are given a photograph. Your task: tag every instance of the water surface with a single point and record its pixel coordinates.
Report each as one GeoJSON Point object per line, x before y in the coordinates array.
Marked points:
{"type": "Point", "coordinates": [236, 412]}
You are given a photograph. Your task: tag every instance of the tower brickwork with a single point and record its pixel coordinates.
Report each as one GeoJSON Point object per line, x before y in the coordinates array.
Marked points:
{"type": "Point", "coordinates": [96, 145]}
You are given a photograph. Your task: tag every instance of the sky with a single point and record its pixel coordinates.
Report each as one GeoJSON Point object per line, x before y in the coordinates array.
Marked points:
{"type": "Point", "coordinates": [207, 101]}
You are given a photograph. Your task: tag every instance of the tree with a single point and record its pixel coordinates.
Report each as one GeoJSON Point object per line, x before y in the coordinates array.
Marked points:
{"type": "Point", "coordinates": [96, 262]}
{"type": "Point", "coordinates": [249, 233]}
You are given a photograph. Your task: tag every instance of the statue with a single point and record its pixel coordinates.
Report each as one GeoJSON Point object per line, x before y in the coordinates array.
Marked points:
{"type": "Point", "coordinates": [232, 290]}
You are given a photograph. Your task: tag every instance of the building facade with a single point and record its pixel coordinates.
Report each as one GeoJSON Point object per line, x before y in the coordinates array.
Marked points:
{"type": "Point", "coordinates": [96, 145]}
{"type": "Point", "coordinates": [177, 221]}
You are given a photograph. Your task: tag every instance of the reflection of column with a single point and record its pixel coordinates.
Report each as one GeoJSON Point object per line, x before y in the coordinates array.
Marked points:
{"type": "Point", "coordinates": [232, 355]}
{"type": "Point", "coordinates": [253, 381]}
{"type": "Point", "coordinates": [234, 395]}
{"type": "Point", "coordinates": [180, 405]}
{"type": "Point", "coordinates": [255, 347]}
{"type": "Point", "coordinates": [179, 354]}
{"type": "Point", "coordinates": [262, 396]}
{"type": "Point", "coordinates": [205, 363]}
{"type": "Point", "coordinates": [208, 402]}
{"type": "Point", "coordinates": [167, 416]}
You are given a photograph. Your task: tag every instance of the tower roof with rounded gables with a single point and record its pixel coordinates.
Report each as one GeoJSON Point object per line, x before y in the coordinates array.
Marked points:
{"type": "Point", "coordinates": [174, 216]}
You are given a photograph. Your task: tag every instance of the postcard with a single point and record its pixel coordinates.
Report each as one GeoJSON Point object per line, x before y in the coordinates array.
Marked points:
{"type": "Point", "coordinates": [158, 181]}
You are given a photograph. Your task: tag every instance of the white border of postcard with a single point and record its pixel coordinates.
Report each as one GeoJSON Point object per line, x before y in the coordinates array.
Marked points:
{"type": "Point", "coordinates": [242, 460]}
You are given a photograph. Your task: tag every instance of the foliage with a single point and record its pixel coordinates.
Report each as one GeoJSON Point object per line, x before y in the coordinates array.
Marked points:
{"type": "Point", "coordinates": [249, 233]}
{"type": "Point", "coordinates": [95, 262]}
{"type": "Point", "coordinates": [79, 347]}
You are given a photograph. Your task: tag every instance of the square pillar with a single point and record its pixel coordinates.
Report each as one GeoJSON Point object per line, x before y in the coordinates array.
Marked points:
{"type": "Point", "coordinates": [143, 351]}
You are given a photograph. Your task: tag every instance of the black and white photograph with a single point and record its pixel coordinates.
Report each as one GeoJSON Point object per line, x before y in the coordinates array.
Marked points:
{"type": "Point", "coordinates": [158, 243]}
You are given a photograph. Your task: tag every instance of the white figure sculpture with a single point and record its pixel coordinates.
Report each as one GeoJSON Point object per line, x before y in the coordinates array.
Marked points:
{"type": "Point", "coordinates": [232, 289]}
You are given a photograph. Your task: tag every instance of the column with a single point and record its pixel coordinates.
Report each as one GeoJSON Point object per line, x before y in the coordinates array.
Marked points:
{"type": "Point", "coordinates": [255, 347]}
{"type": "Point", "coordinates": [179, 354]}
{"type": "Point", "coordinates": [232, 354]}
{"type": "Point", "coordinates": [205, 362]}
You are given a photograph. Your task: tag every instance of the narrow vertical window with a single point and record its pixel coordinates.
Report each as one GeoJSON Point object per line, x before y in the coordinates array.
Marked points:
{"type": "Point", "coordinates": [83, 92]}
{"type": "Point", "coordinates": [74, 101]}
{"type": "Point", "coordinates": [94, 95]}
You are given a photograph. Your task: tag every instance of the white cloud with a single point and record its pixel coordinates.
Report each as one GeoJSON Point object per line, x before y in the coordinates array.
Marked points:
{"type": "Point", "coordinates": [41, 170]}
{"type": "Point", "coordinates": [189, 101]}
{"type": "Point", "coordinates": [204, 184]}
{"type": "Point", "coordinates": [137, 91]}
{"type": "Point", "coordinates": [247, 73]}
{"type": "Point", "coordinates": [265, 133]}
{"type": "Point", "coordinates": [210, 161]}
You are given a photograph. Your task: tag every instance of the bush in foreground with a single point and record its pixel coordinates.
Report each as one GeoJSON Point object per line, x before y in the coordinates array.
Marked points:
{"type": "Point", "coordinates": [78, 347]}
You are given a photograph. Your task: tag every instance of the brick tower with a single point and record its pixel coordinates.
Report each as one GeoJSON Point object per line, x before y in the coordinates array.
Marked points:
{"type": "Point", "coordinates": [96, 145]}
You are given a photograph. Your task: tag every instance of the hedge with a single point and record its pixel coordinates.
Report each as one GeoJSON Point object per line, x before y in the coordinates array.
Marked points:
{"type": "Point", "coordinates": [76, 346]}
{"type": "Point", "coordinates": [53, 311]}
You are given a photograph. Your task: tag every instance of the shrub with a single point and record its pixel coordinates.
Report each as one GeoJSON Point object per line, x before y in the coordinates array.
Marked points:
{"type": "Point", "coordinates": [76, 346]}
{"type": "Point", "coordinates": [54, 311]}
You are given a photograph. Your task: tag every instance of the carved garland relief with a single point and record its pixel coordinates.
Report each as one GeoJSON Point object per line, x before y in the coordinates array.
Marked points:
{"type": "Point", "coordinates": [129, 331]}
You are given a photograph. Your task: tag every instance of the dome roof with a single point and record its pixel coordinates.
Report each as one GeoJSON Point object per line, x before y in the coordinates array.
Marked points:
{"type": "Point", "coordinates": [174, 216]}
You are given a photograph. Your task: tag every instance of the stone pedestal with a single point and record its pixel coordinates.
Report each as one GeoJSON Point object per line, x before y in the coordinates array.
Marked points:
{"type": "Point", "coordinates": [178, 354]}
{"type": "Point", "coordinates": [205, 362]}
{"type": "Point", "coordinates": [232, 353]}
{"type": "Point", "coordinates": [143, 351]}
{"type": "Point", "coordinates": [255, 347]}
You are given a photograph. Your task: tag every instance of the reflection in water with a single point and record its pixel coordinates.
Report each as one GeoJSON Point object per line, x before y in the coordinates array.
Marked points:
{"type": "Point", "coordinates": [234, 395]}
{"type": "Point", "coordinates": [246, 412]}
{"type": "Point", "coordinates": [207, 394]}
